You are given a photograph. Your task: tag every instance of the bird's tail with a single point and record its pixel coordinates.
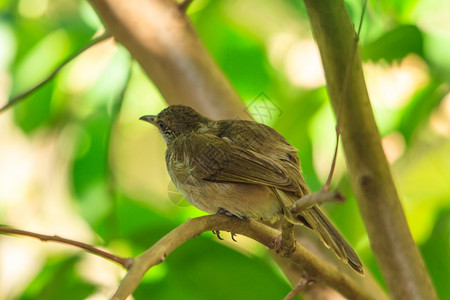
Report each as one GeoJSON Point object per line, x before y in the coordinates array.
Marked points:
{"type": "Point", "coordinates": [331, 237]}
{"type": "Point", "coordinates": [316, 220]}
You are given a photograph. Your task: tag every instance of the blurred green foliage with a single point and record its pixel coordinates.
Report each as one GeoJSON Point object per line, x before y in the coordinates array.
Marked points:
{"type": "Point", "coordinates": [117, 206]}
{"type": "Point", "coordinates": [58, 279]}
{"type": "Point", "coordinates": [204, 270]}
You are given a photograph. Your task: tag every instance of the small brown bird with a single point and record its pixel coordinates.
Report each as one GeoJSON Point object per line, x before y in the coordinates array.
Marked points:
{"type": "Point", "coordinates": [241, 168]}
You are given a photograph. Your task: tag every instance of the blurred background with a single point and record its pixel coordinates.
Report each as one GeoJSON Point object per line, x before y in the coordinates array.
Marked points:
{"type": "Point", "coordinates": [75, 160]}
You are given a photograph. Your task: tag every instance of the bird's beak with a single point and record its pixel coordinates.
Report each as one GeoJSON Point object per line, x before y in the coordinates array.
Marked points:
{"type": "Point", "coordinates": [149, 118]}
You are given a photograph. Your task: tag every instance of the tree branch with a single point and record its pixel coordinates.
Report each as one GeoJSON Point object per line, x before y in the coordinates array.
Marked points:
{"type": "Point", "coordinates": [318, 198]}
{"type": "Point", "coordinates": [399, 259]}
{"type": "Point", "coordinates": [162, 39]}
{"type": "Point", "coordinates": [300, 286]}
{"type": "Point", "coordinates": [125, 262]}
{"type": "Point", "coordinates": [314, 267]}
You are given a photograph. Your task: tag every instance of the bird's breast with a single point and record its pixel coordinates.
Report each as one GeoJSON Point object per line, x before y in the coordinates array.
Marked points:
{"type": "Point", "coordinates": [240, 199]}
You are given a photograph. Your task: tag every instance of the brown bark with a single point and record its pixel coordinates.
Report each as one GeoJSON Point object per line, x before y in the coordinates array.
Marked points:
{"type": "Point", "coordinates": [399, 259]}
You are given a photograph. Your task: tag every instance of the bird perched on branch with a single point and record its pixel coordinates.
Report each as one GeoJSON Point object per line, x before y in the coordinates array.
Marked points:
{"type": "Point", "coordinates": [241, 168]}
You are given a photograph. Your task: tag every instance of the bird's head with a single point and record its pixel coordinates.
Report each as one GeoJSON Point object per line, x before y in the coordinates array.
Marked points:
{"type": "Point", "coordinates": [176, 120]}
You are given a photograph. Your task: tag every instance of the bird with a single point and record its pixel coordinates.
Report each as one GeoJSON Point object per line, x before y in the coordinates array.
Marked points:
{"type": "Point", "coordinates": [241, 168]}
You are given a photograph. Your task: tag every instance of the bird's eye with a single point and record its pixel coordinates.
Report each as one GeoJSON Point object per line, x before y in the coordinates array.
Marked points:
{"type": "Point", "coordinates": [161, 125]}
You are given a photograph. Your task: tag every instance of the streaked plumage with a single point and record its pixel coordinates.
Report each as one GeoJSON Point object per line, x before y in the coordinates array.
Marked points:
{"type": "Point", "coordinates": [243, 167]}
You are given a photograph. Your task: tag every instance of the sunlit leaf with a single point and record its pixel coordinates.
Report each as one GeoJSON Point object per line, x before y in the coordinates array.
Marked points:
{"type": "Point", "coordinates": [395, 44]}
{"type": "Point", "coordinates": [243, 60]}
{"type": "Point", "coordinates": [35, 110]}
{"type": "Point", "coordinates": [420, 108]}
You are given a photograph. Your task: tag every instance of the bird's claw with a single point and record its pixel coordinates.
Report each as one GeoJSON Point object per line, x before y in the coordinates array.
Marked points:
{"type": "Point", "coordinates": [217, 233]}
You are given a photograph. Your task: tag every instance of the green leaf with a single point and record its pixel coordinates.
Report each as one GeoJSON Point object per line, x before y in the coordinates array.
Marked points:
{"type": "Point", "coordinates": [238, 54]}
{"type": "Point", "coordinates": [34, 111]}
{"type": "Point", "coordinates": [139, 224]}
{"type": "Point", "coordinates": [435, 252]}
{"type": "Point", "coordinates": [395, 44]}
{"type": "Point", "coordinates": [420, 108]}
{"type": "Point", "coordinates": [58, 280]}
{"type": "Point", "coordinates": [35, 64]}
{"type": "Point", "coordinates": [89, 167]}
{"type": "Point", "coordinates": [89, 171]}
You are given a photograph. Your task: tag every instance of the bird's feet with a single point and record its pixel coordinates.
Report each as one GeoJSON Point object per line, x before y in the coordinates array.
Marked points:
{"type": "Point", "coordinates": [217, 233]}
{"type": "Point", "coordinates": [225, 212]}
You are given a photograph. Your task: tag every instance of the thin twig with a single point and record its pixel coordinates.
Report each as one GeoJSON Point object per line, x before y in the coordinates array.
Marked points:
{"type": "Point", "coordinates": [300, 286]}
{"type": "Point", "coordinates": [14, 100]}
{"type": "Point", "coordinates": [125, 262]}
{"type": "Point", "coordinates": [345, 85]}
{"type": "Point", "coordinates": [315, 199]}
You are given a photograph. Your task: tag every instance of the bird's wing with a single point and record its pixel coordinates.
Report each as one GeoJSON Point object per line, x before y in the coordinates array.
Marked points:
{"type": "Point", "coordinates": [212, 158]}
{"type": "Point", "coordinates": [268, 142]}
